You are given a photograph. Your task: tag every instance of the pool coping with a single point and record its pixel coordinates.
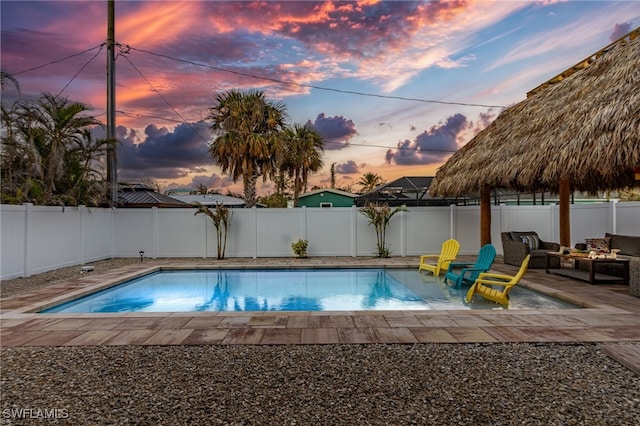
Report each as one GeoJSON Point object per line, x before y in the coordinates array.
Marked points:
{"type": "Point", "coordinates": [607, 316]}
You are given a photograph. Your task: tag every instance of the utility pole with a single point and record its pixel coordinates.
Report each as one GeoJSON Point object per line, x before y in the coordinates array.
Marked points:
{"type": "Point", "coordinates": [112, 160]}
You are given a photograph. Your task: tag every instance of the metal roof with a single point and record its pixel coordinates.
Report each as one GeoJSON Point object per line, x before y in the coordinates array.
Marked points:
{"type": "Point", "coordinates": [409, 190]}
{"type": "Point", "coordinates": [147, 198]}
{"type": "Point", "coordinates": [211, 199]}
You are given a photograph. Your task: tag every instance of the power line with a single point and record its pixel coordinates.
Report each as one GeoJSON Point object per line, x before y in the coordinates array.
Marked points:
{"type": "Point", "coordinates": [80, 70]}
{"type": "Point", "coordinates": [245, 74]}
{"type": "Point", "coordinates": [162, 97]}
{"type": "Point", "coordinates": [311, 86]}
{"type": "Point", "coordinates": [127, 48]}
{"type": "Point", "coordinates": [157, 117]}
{"type": "Point", "coordinates": [58, 60]}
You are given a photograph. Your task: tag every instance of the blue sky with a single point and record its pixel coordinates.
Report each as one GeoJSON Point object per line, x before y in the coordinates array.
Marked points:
{"type": "Point", "coordinates": [438, 72]}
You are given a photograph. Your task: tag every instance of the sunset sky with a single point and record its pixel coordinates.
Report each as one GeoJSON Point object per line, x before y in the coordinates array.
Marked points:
{"type": "Point", "coordinates": [395, 87]}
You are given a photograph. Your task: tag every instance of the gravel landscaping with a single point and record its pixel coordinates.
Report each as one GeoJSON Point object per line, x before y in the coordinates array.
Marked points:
{"type": "Point", "coordinates": [19, 285]}
{"type": "Point", "coordinates": [425, 384]}
{"type": "Point", "coordinates": [471, 384]}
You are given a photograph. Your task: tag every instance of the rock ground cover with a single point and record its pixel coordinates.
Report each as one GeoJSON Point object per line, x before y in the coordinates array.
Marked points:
{"type": "Point", "coordinates": [459, 384]}
{"type": "Point", "coordinates": [480, 384]}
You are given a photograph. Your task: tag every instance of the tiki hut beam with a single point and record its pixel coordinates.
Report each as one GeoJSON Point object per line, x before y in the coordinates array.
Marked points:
{"type": "Point", "coordinates": [485, 215]}
{"type": "Point", "coordinates": [565, 213]}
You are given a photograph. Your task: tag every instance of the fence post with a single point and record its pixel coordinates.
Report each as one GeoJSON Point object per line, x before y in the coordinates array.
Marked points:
{"type": "Point", "coordinates": [28, 207]}
{"type": "Point", "coordinates": [354, 232]}
{"type": "Point", "coordinates": [304, 222]}
{"type": "Point", "coordinates": [154, 231]}
{"type": "Point", "coordinates": [205, 232]}
{"type": "Point", "coordinates": [502, 219]}
{"type": "Point", "coordinates": [403, 234]}
{"type": "Point", "coordinates": [613, 216]}
{"type": "Point", "coordinates": [255, 231]}
{"type": "Point", "coordinates": [83, 229]}
{"type": "Point", "coordinates": [452, 221]}
{"type": "Point", "coordinates": [112, 218]}
{"type": "Point", "coordinates": [554, 222]}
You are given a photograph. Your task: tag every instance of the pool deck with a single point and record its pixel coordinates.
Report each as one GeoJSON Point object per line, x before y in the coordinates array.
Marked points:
{"type": "Point", "coordinates": [610, 315]}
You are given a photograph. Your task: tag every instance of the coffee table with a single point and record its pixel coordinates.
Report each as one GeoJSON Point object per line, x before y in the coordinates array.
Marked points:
{"type": "Point", "coordinates": [589, 275]}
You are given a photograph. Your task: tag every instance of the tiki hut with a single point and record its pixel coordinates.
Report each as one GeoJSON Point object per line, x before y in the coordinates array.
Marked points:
{"type": "Point", "coordinates": [579, 131]}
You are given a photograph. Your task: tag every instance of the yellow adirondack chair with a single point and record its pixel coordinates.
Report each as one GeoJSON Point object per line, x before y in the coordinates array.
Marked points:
{"type": "Point", "coordinates": [486, 279]}
{"type": "Point", "coordinates": [447, 255]}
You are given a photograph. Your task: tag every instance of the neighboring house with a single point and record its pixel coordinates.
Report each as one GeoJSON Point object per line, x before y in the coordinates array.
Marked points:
{"type": "Point", "coordinates": [407, 190]}
{"type": "Point", "coordinates": [414, 191]}
{"type": "Point", "coordinates": [180, 191]}
{"type": "Point", "coordinates": [327, 197]}
{"type": "Point", "coordinates": [136, 195]}
{"type": "Point", "coordinates": [211, 200]}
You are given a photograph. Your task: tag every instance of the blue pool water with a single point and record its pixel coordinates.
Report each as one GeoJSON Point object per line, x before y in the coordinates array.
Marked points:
{"type": "Point", "coordinates": [291, 290]}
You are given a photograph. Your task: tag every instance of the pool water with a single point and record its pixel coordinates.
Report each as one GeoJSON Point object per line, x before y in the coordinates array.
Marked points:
{"type": "Point", "coordinates": [291, 290]}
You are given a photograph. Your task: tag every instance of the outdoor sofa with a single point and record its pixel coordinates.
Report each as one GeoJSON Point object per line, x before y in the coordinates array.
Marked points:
{"type": "Point", "coordinates": [629, 248]}
{"type": "Point", "coordinates": [516, 245]}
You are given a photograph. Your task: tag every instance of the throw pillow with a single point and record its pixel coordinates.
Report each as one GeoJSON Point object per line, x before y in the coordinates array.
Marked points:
{"type": "Point", "coordinates": [531, 240]}
{"type": "Point", "coordinates": [600, 245]}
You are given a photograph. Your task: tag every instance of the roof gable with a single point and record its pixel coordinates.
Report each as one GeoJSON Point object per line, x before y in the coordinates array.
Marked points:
{"type": "Point", "coordinates": [330, 190]}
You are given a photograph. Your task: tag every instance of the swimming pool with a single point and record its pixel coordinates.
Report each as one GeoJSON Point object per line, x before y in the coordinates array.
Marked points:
{"type": "Point", "coordinates": [291, 290]}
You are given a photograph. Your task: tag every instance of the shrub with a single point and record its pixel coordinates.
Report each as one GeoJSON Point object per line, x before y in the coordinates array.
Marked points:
{"type": "Point", "coordinates": [379, 216]}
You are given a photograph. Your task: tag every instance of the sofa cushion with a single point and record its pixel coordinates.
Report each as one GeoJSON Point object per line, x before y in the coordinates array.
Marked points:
{"type": "Point", "coordinates": [627, 244]}
{"type": "Point", "coordinates": [517, 235]}
{"type": "Point", "coordinates": [600, 245]}
{"type": "Point", "coordinates": [531, 240]}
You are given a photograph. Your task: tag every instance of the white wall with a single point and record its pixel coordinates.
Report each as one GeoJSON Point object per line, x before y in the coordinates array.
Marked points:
{"type": "Point", "coordinates": [36, 238]}
{"type": "Point", "coordinates": [587, 221]}
{"type": "Point", "coordinates": [626, 219]}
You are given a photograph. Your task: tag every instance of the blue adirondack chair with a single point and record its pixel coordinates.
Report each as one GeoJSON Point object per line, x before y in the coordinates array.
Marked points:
{"type": "Point", "coordinates": [467, 273]}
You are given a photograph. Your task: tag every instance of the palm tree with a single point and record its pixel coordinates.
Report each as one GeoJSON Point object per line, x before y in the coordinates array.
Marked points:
{"type": "Point", "coordinates": [221, 218]}
{"type": "Point", "coordinates": [48, 153]}
{"type": "Point", "coordinates": [83, 178]}
{"type": "Point", "coordinates": [249, 144]}
{"type": "Point", "coordinates": [379, 216]}
{"type": "Point", "coordinates": [5, 78]}
{"type": "Point", "coordinates": [64, 124]}
{"type": "Point", "coordinates": [370, 180]}
{"type": "Point", "coordinates": [303, 152]}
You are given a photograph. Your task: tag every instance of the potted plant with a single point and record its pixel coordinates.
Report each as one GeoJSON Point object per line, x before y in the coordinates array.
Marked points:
{"type": "Point", "coordinates": [300, 248]}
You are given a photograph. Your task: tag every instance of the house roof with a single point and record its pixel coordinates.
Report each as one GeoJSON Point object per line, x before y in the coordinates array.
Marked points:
{"type": "Point", "coordinates": [582, 126]}
{"type": "Point", "coordinates": [331, 190]}
{"type": "Point", "coordinates": [147, 198]}
{"type": "Point", "coordinates": [211, 199]}
{"type": "Point", "coordinates": [409, 190]}
{"type": "Point", "coordinates": [177, 191]}
{"type": "Point", "coordinates": [405, 184]}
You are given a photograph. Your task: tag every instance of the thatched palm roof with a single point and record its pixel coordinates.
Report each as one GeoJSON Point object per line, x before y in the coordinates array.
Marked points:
{"type": "Point", "coordinates": [584, 127]}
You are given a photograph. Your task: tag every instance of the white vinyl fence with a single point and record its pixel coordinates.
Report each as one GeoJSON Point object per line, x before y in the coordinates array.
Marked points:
{"type": "Point", "coordinates": [36, 239]}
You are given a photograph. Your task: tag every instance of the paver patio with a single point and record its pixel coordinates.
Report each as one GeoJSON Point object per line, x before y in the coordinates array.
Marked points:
{"type": "Point", "coordinates": [610, 314]}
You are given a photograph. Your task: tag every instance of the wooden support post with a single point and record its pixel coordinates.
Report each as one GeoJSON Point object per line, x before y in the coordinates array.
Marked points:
{"type": "Point", "coordinates": [485, 215]}
{"type": "Point", "coordinates": [565, 213]}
